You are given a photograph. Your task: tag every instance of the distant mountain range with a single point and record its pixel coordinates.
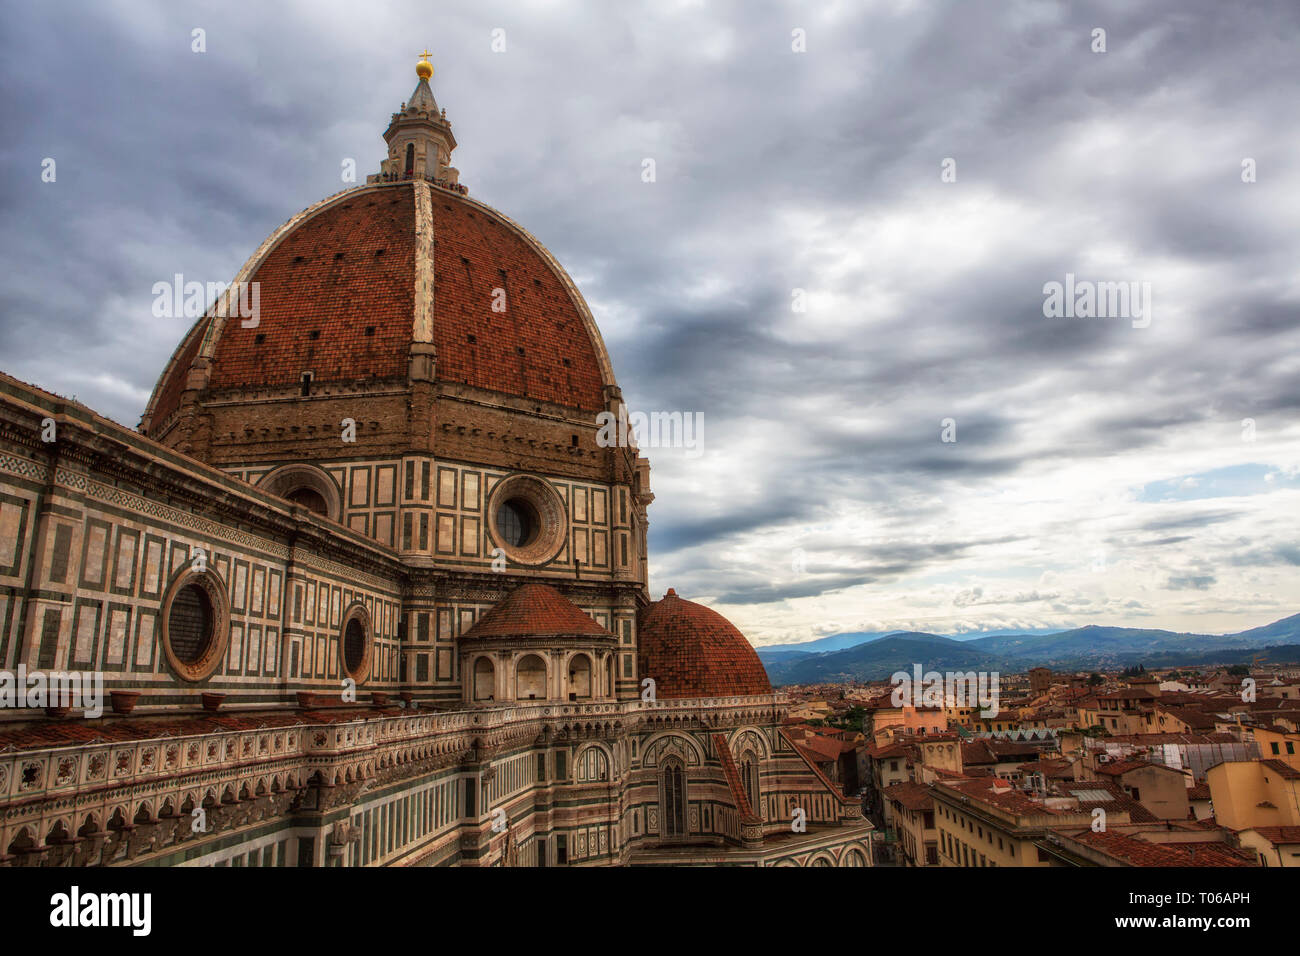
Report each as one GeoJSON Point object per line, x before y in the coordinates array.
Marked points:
{"type": "Point", "coordinates": [875, 656]}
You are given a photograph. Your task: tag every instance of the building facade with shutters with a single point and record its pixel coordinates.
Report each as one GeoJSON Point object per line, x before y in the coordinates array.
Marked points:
{"type": "Point", "coordinates": [366, 588]}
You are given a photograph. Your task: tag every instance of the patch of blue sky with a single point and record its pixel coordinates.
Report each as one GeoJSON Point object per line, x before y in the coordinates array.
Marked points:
{"type": "Point", "coordinates": [1234, 481]}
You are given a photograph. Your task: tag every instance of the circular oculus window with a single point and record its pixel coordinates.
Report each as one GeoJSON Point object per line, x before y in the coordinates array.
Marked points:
{"type": "Point", "coordinates": [527, 519]}
{"type": "Point", "coordinates": [195, 624]}
{"type": "Point", "coordinates": [517, 522]}
{"type": "Point", "coordinates": [355, 643]}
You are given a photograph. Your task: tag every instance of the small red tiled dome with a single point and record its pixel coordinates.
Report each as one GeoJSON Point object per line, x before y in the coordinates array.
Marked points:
{"type": "Point", "coordinates": [535, 610]}
{"type": "Point", "coordinates": [693, 651]}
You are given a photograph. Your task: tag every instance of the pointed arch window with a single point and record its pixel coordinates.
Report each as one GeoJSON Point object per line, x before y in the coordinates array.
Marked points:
{"type": "Point", "coordinates": [749, 779]}
{"type": "Point", "coordinates": [672, 799]}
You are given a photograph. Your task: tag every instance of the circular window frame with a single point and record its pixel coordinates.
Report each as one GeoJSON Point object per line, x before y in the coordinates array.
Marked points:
{"type": "Point", "coordinates": [215, 589]}
{"type": "Point", "coordinates": [552, 518]}
{"type": "Point", "coordinates": [356, 612]}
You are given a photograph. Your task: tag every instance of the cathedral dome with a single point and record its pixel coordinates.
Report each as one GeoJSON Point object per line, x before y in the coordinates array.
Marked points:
{"type": "Point", "coordinates": [344, 294]}
{"type": "Point", "coordinates": [693, 651]}
{"type": "Point", "coordinates": [535, 610]}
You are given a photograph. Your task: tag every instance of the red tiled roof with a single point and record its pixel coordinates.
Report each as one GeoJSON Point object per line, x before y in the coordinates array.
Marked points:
{"type": "Point", "coordinates": [58, 733]}
{"type": "Point", "coordinates": [729, 770]}
{"type": "Point", "coordinates": [812, 765]}
{"type": "Point", "coordinates": [1135, 852]}
{"type": "Point", "coordinates": [948, 774]}
{"type": "Point", "coordinates": [540, 317]}
{"type": "Point", "coordinates": [693, 651]}
{"type": "Point", "coordinates": [1194, 719]}
{"type": "Point", "coordinates": [879, 751]}
{"type": "Point", "coordinates": [351, 266]}
{"type": "Point", "coordinates": [826, 750]}
{"type": "Point", "coordinates": [1127, 693]}
{"type": "Point", "coordinates": [912, 795]}
{"type": "Point", "coordinates": [1005, 796]}
{"type": "Point", "coordinates": [1286, 836]}
{"type": "Point", "coordinates": [328, 276]}
{"type": "Point", "coordinates": [1121, 767]}
{"type": "Point", "coordinates": [1051, 769]}
{"type": "Point", "coordinates": [169, 398]}
{"type": "Point", "coordinates": [1119, 800]}
{"type": "Point", "coordinates": [1284, 770]}
{"type": "Point", "coordinates": [534, 610]}
{"type": "Point", "coordinates": [974, 752]}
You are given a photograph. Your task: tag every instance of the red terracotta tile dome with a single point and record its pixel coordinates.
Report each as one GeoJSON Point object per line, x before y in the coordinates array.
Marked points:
{"type": "Point", "coordinates": [535, 610]}
{"type": "Point", "coordinates": [693, 651]}
{"type": "Point", "coordinates": [340, 288]}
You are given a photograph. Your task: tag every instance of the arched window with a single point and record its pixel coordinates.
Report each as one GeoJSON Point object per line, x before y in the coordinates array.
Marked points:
{"type": "Point", "coordinates": [580, 677]}
{"type": "Point", "coordinates": [672, 799]}
{"type": "Point", "coordinates": [22, 843]}
{"type": "Point", "coordinates": [306, 485]}
{"type": "Point", "coordinates": [485, 679]}
{"type": "Point", "coordinates": [530, 678]}
{"type": "Point", "coordinates": [593, 766]}
{"type": "Point", "coordinates": [410, 158]}
{"type": "Point", "coordinates": [310, 499]}
{"type": "Point", "coordinates": [749, 779]}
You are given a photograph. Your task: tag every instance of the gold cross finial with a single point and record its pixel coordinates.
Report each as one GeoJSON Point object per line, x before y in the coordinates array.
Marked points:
{"type": "Point", "coordinates": [424, 69]}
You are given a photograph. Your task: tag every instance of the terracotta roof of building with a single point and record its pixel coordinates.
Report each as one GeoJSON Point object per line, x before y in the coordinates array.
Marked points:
{"type": "Point", "coordinates": [170, 388]}
{"type": "Point", "coordinates": [1010, 749]}
{"type": "Point", "coordinates": [999, 793]}
{"type": "Point", "coordinates": [885, 751]}
{"type": "Point", "coordinates": [1284, 770]}
{"type": "Point", "coordinates": [329, 276]}
{"type": "Point", "coordinates": [975, 752]}
{"type": "Point", "coordinates": [1127, 693]}
{"type": "Point", "coordinates": [42, 734]}
{"type": "Point", "coordinates": [1285, 836]}
{"type": "Point", "coordinates": [1116, 800]}
{"type": "Point", "coordinates": [350, 266]}
{"type": "Point", "coordinates": [1195, 719]}
{"type": "Point", "coordinates": [811, 762]}
{"type": "Point", "coordinates": [947, 774]}
{"type": "Point", "coordinates": [1055, 769]}
{"type": "Point", "coordinates": [1122, 767]}
{"type": "Point", "coordinates": [1134, 852]}
{"type": "Point", "coordinates": [729, 770]}
{"type": "Point", "coordinates": [535, 610]}
{"type": "Point", "coordinates": [826, 748]}
{"type": "Point", "coordinates": [690, 650]}
{"type": "Point", "coordinates": [912, 795]}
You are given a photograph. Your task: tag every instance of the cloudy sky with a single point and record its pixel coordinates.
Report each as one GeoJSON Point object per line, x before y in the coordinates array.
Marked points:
{"type": "Point", "coordinates": [842, 248]}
